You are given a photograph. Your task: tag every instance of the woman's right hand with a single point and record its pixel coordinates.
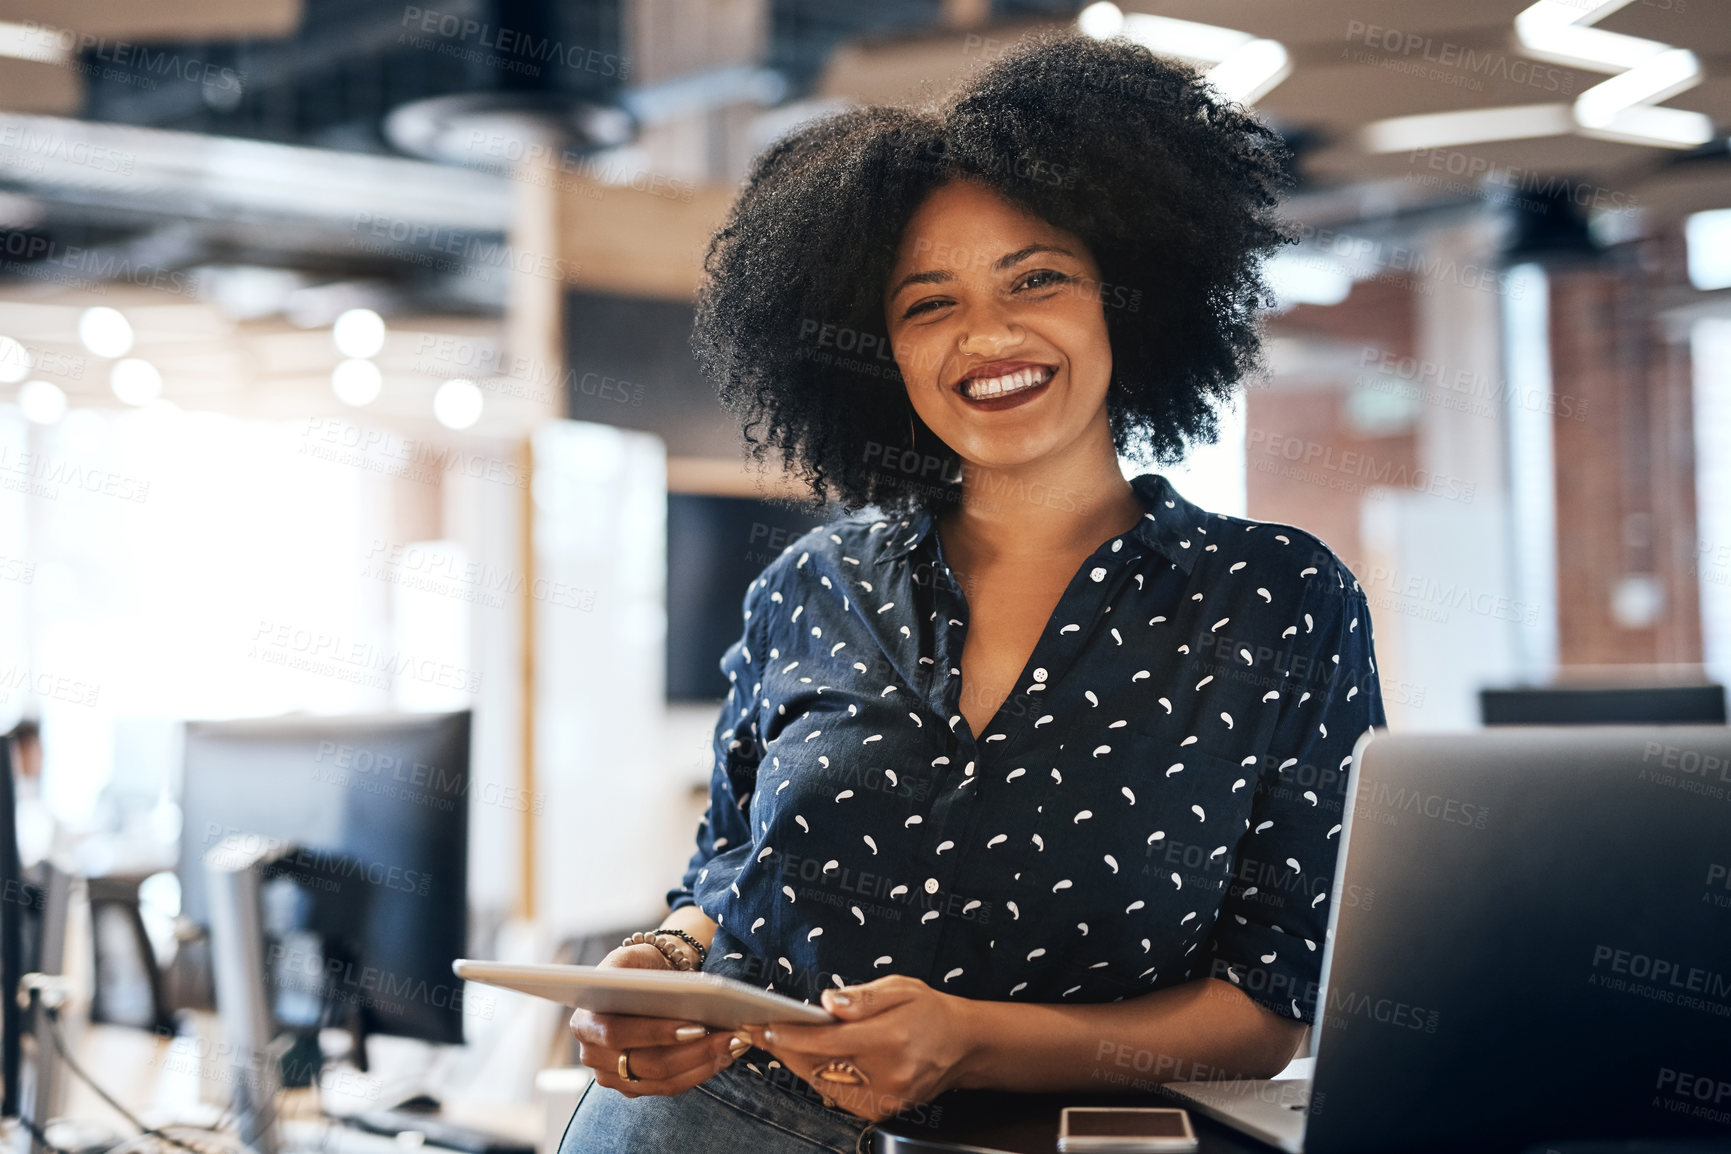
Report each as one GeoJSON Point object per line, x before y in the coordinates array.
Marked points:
{"type": "Point", "coordinates": [663, 1063]}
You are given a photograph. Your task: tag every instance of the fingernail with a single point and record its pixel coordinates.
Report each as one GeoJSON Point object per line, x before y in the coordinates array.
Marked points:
{"type": "Point", "coordinates": [690, 1033]}
{"type": "Point", "coordinates": [769, 1034]}
{"type": "Point", "coordinates": [740, 1044]}
{"type": "Point", "coordinates": [841, 998]}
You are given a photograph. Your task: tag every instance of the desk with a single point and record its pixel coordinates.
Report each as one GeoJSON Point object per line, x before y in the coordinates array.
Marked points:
{"type": "Point", "coordinates": [163, 1083]}
{"type": "Point", "coordinates": [1028, 1123]}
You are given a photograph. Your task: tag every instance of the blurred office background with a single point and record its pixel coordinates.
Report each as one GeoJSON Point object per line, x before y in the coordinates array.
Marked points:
{"type": "Point", "coordinates": [343, 370]}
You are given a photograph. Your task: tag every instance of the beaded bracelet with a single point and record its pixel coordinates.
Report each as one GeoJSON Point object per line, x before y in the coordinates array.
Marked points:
{"type": "Point", "coordinates": [683, 961]}
{"type": "Point", "coordinates": [702, 951]}
{"type": "Point", "coordinates": [679, 960]}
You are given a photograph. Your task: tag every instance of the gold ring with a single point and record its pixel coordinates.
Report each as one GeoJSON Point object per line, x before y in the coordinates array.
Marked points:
{"type": "Point", "coordinates": [842, 1072]}
{"type": "Point", "coordinates": [625, 1067]}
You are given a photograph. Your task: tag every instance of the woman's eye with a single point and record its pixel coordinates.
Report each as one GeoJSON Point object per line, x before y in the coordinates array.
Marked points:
{"type": "Point", "coordinates": [923, 307]}
{"type": "Point", "coordinates": [1042, 278]}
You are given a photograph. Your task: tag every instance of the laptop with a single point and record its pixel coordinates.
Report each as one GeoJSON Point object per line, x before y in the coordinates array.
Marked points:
{"type": "Point", "coordinates": [1534, 945]}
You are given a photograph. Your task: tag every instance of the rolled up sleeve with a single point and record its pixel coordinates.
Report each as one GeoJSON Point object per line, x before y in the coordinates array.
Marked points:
{"type": "Point", "coordinates": [1269, 936]}
{"type": "Point", "coordinates": [736, 751]}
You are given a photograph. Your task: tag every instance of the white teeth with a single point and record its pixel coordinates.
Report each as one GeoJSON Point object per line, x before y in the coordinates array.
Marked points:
{"type": "Point", "coordinates": [982, 387]}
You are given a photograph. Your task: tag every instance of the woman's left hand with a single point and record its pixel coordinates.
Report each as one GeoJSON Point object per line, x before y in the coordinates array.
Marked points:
{"type": "Point", "coordinates": [906, 1037]}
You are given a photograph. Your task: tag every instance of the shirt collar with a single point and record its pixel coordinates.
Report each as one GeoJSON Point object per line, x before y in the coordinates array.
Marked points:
{"type": "Point", "coordinates": [1170, 526]}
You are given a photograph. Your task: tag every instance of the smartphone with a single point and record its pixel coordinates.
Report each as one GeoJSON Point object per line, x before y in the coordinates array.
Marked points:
{"type": "Point", "coordinates": [1124, 1128]}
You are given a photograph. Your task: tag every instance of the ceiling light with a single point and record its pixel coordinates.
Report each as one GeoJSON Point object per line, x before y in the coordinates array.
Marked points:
{"type": "Point", "coordinates": [14, 361]}
{"type": "Point", "coordinates": [1620, 108]}
{"type": "Point", "coordinates": [1101, 21]}
{"type": "Point", "coordinates": [356, 382]}
{"type": "Point", "coordinates": [34, 42]}
{"type": "Point", "coordinates": [134, 381]}
{"type": "Point", "coordinates": [1657, 127]}
{"type": "Point", "coordinates": [104, 332]}
{"type": "Point", "coordinates": [1446, 129]}
{"type": "Point", "coordinates": [457, 404]}
{"type": "Point", "coordinates": [1185, 38]}
{"type": "Point", "coordinates": [359, 333]}
{"type": "Point", "coordinates": [42, 402]}
{"type": "Point", "coordinates": [1553, 31]}
{"type": "Point", "coordinates": [1252, 71]}
{"type": "Point", "coordinates": [1708, 235]}
{"type": "Point", "coordinates": [1656, 79]}
{"type": "Point", "coordinates": [1245, 67]}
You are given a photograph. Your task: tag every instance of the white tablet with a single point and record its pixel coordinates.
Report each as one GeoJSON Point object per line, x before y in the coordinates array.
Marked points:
{"type": "Point", "coordinates": [688, 996]}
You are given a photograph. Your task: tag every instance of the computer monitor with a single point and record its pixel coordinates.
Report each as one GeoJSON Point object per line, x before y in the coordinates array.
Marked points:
{"type": "Point", "coordinates": [716, 546]}
{"type": "Point", "coordinates": [1604, 705]}
{"type": "Point", "coordinates": [376, 808]}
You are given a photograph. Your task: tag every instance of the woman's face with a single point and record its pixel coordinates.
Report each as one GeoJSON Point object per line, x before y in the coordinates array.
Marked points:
{"type": "Point", "coordinates": [982, 288]}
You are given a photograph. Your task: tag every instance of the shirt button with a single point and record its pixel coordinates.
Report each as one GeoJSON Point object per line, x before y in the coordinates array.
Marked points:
{"type": "Point", "coordinates": [1040, 673]}
{"type": "Point", "coordinates": [931, 885]}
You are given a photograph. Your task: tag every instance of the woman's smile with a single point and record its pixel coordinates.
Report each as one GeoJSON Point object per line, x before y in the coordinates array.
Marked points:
{"type": "Point", "coordinates": [1004, 384]}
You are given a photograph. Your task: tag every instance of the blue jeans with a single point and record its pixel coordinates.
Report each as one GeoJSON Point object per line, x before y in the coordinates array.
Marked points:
{"type": "Point", "coordinates": [732, 1112]}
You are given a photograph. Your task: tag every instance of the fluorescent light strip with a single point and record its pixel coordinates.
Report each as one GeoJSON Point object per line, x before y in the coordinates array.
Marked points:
{"type": "Point", "coordinates": [1246, 67]}
{"type": "Point", "coordinates": [1445, 129]}
{"type": "Point", "coordinates": [1577, 47]}
{"type": "Point", "coordinates": [1621, 108]}
{"type": "Point", "coordinates": [1252, 71]}
{"type": "Point", "coordinates": [1184, 38]}
{"type": "Point", "coordinates": [1658, 127]}
{"type": "Point", "coordinates": [1657, 78]}
{"type": "Point", "coordinates": [33, 42]}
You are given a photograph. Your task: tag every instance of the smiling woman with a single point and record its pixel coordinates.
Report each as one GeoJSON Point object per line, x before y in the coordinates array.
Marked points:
{"type": "Point", "coordinates": [1022, 764]}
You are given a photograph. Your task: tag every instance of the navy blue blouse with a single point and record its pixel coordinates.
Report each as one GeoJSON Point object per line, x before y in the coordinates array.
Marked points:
{"type": "Point", "coordinates": [1158, 800]}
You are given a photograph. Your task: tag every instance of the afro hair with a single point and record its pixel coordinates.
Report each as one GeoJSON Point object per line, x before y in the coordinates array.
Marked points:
{"type": "Point", "coordinates": [1173, 190]}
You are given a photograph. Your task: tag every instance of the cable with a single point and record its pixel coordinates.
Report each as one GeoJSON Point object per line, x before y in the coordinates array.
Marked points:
{"type": "Point", "coordinates": [59, 1041]}
{"type": "Point", "coordinates": [127, 1143]}
{"type": "Point", "coordinates": [42, 1138]}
